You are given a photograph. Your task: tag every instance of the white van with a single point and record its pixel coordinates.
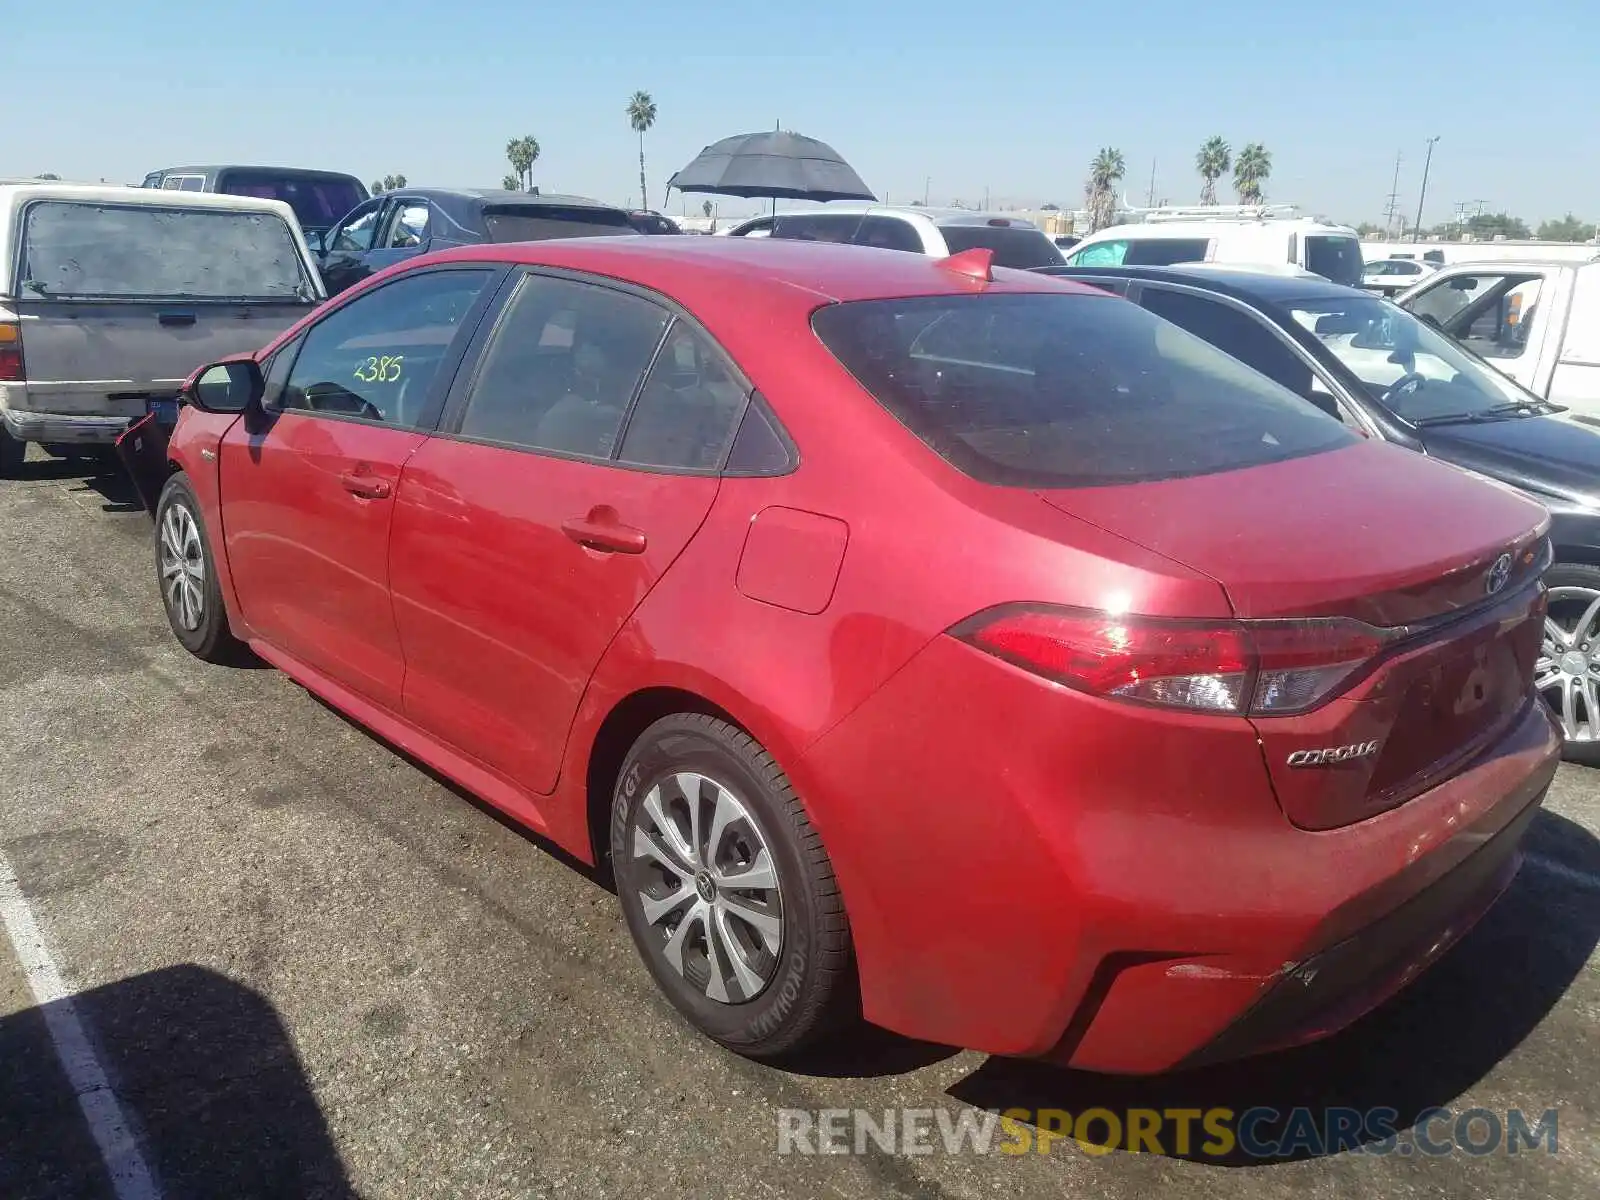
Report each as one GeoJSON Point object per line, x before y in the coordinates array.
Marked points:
{"type": "Point", "coordinates": [1219, 234]}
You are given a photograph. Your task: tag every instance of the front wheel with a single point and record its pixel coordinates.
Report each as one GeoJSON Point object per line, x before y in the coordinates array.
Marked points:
{"type": "Point", "coordinates": [1567, 674]}
{"type": "Point", "coordinates": [727, 890]}
{"type": "Point", "coordinates": [190, 591]}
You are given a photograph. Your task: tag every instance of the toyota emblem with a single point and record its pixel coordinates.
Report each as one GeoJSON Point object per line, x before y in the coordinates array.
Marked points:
{"type": "Point", "coordinates": [1498, 574]}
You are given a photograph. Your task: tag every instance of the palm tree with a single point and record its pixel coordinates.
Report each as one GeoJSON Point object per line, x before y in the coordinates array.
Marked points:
{"type": "Point", "coordinates": [641, 115]}
{"type": "Point", "coordinates": [1250, 171]}
{"type": "Point", "coordinates": [1100, 189]}
{"type": "Point", "coordinates": [1212, 162]}
{"type": "Point", "coordinates": [522, 153]}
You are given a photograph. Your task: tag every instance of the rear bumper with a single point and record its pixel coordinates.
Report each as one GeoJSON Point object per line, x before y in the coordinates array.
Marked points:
{"type": "Point", "coordinates": [66, 428]}
{"type": "Point", "coordinates": [1035, 873]}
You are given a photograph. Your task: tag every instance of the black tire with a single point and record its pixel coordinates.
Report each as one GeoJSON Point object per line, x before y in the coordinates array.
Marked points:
{"type": "Point", "coordinates": [809, 986]}
{"type": "Point", "coordinates": [204, 633]}
{"type": "Point", "coordinates": [12, 454]}
{"type": "Point", "coordinates": [1583, 579]}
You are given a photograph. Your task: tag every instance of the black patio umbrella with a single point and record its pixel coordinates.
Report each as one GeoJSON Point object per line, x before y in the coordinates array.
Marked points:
{"type": "Point", "coordinates": [773, 164]}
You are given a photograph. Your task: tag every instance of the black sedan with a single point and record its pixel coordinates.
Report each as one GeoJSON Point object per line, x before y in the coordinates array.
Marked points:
{"type": "Point", "coordinates": [1387, 375]}
{"type": "Point", "coordinates": [399, 225]}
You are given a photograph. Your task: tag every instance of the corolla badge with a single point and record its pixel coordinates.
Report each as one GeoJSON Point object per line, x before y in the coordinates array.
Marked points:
{"type": "Point", "coordinates": [1498, 575]}
{"type": "Point", "coordinates": [1333, 755]}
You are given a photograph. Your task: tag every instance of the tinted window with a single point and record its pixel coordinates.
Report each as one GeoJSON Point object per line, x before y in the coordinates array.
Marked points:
{"type": "Point", "coordinates": [563, 367]}
{"type": "Point", "coordinates": [687, 411]}
{"type": "Point", "coordinates": [759, 447]}
{"type": "Point", "coordinates": [318, 200]}
{"type": "Point", "coordinates": [376, 358]}
{"type": "Point", "coordinates": [1334, 257]}
{"type": "Point", "coordinates": [529, 223]}
{"type": "Point", "coordinates": [277, 372]}
{"type": "Point", "coordinates": [356, 234]}
{"type": "Point", "coordinates": [1013, 245]}
{"type": "Point", "coordinates": [889, 233]}
{"type": "Point", "coordinates": [79, 249]}
{"type": "Point", "coordinates": [1164, 252]}
{"type": "Point", "coordinates": [816, 227]}
{"type": "Point", "coordinates": [1067, 390]}
{"type": "Point", "coordinates": [1233, 332]}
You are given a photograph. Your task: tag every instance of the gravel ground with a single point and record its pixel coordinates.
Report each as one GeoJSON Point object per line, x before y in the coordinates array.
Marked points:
{"type": "Point", "coordinates": [311, 968]}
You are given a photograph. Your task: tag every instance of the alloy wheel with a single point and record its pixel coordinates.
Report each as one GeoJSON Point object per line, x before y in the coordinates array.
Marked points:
{"type": "Point", "coordinates": [708, 885]}
{"type": "Point", "coordinates": [1567, 673]}
{"type": "Point", "coordinates": [183, 567]}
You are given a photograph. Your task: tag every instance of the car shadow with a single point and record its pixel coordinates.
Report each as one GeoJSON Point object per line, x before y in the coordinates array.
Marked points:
{"type": "Point", "coordinates": [100, 474]}
{"type": "Point", "coordinates": [203, 1072]}
{"type": "Point", "coordinates": [1422, 1049]}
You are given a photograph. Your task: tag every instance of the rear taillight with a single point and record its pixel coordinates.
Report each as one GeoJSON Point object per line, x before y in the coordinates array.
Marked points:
{"type": "Point", "coordinates": [10, 353]}
{"type": "Point", "coordinates": [1255, 668]}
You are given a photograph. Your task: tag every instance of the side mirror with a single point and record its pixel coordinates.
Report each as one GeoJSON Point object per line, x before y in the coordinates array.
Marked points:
{"type": "Point", "coordinates": [230, 387]}
{"type": "Point", "coordinates": [314, 240]}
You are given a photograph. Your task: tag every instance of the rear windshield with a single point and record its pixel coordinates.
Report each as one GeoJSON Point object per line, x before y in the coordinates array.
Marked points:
{"type": "Point", "coordinates": [78, 249]}
{"type": "Point", "coordinates": [1334, 256]}
{"type": "Point", "coordinates": [1045, 390]}
{"type": "Point", "coordinates": [537, 224]}
{"type": "Point", "coordinates": [1013, 245]}
{"type": "Point", "coordinates": [318, 200]}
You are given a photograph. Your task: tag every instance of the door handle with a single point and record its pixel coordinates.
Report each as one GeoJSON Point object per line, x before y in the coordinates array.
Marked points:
{"type": "Point", "coordinates": [601, 530]}
{"type": "Point", "coordinates": [368, 487]}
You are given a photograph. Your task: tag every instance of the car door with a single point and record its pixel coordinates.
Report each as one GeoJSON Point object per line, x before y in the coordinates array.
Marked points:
{"type": "Point", "coordinates": [1498, 315]}
{"type": "Point", "coordinates": [308, 490]}
{"type": "Point", "coordinates": [405, 229]}
{"type": "Point", "coordinates": [344, 258]}
{"type": "Point", "coordinates": [528, 532]}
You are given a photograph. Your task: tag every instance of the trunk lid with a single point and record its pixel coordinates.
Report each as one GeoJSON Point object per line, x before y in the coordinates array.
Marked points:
{"type": "Point", "coordinates": [111, 358]}
{"type": "Point", "coordinates": [1384, 536]}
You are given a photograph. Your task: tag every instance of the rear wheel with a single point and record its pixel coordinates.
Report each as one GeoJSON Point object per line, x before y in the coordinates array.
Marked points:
{"type": "Point", "coordinates": [727, 889]}
{"type": "Point", "coordinates": [190, 592]}
{"type": "Point", "coordinates": [12, 452]}
{"type": "Point", "coordinates": [1568, 671]}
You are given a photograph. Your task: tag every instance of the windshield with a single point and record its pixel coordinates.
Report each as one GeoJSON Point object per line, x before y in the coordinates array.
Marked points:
{"type": "Point", "coordinates": [318, 200]}
{"type": "Point", "coordinates": [1013, 245]}
{"type": "Point", "coordinates": [1415, 371]}
{"type": "Point", "coordinates": [78, 249]}
{"type": "Point", "coordinates": [1062, 390]}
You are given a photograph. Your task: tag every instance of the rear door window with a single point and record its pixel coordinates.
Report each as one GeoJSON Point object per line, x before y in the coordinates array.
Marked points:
{"type": "Point", "coordinates": [1049, 390]}
{"type": "Point", "coordinates": [1013, 245]}
{"type": "Point", "coordinates": [407, 226]}
{"type": "Point", "coordinates": [889, 233]}
{"type": "Point", "coordinates": [563, 368]}
{"type": "Point", "coordinates": [1164, 252]}
{"type": "Point", "coordinates": [78, 249]}
{"type": "Point", "coordinates": [1334, 256]}
{"type": "Point", "coordinates": [537, 223]}
{"type": "Point", "coordinates": [688, 409]}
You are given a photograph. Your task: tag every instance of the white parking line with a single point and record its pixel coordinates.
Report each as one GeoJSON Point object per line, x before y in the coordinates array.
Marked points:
{"type": "Point", "coordinates": [131, 1178]}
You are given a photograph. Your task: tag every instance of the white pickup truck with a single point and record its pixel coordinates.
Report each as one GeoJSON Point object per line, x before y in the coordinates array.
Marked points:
{"type": "Point", "coordinates": [1538, 322]}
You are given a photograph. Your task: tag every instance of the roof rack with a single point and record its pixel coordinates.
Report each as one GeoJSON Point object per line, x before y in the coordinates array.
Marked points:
{"type": "Point", "coordinates": [1220, 212]}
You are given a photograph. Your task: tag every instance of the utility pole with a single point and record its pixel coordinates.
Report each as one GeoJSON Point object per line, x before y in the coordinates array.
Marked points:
{"type": "Point", "coordinates": [1422, 194]}
{"type": "Point", "coordinates": [1150, 200]}
{"type": "Point", "coordinates": [927, 183]}
{"type": "Point", "coordinates": [1392, 213]}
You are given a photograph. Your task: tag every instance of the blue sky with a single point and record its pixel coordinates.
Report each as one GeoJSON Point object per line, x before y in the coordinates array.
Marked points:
{"type": "Point", "coordinates": [974, 96]}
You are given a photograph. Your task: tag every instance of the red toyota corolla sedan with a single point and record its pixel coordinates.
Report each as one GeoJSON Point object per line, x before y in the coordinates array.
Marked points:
{"type": "Point", "coordinates": [966, 649]}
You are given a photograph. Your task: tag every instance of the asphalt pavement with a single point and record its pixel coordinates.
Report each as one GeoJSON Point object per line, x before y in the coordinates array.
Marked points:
{"type": "Point", "coordinates": [304, 966]}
